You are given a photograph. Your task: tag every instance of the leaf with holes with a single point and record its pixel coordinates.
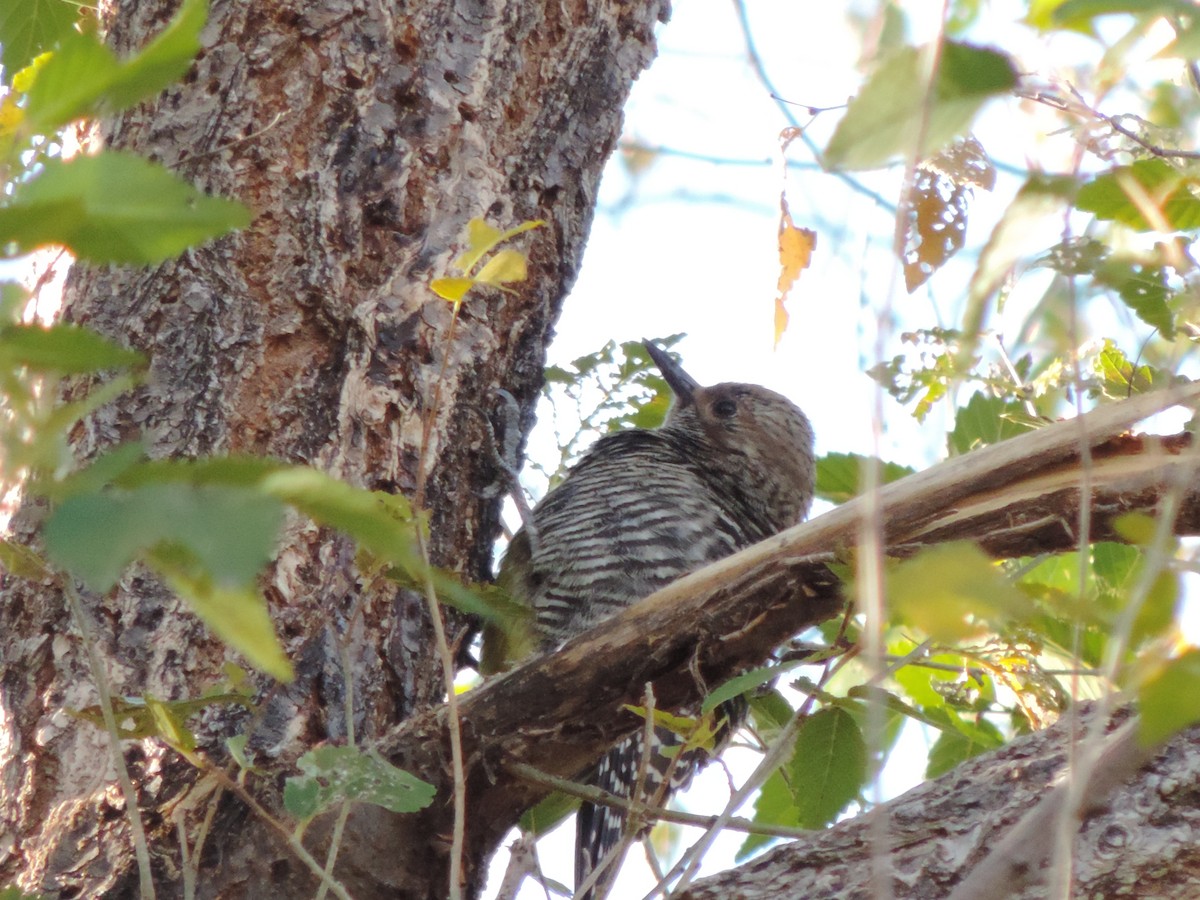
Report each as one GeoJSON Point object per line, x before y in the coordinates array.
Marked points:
{"type": "Point", "coordinates": [935, 210]}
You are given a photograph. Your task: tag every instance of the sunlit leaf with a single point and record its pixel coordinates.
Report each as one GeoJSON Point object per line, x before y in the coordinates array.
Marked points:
{"type": "Point", "coordinates": [506, 266]}
{"type": "Point", "coordinates": [952, 592]}
{"type": "Point", "coordinates": [1148, 195]}
{"type": "Point", "coordinates": [22, 562]}
{"type": "Point", "coordinates": [840, 475]}
{"type": "Point", "coordinates": [934, 212]}
{"type": "Point", "coordinates": [1170, 698]}
{"type": "Point", "coordinates": [452, 289]}
{"type": "Point", "coordinates": [1031, 222]}
{"type": "Point", "coordinates": [482, 238]}
{"type": "Point", "coordinates": [71, 82]}
{"type": "Point", "coordinates": [1079, 13]}
{"type": "Point", "coordinates": [796, 246]}
{"type": "Point", "coordinates": [1119, 377]}
{"type": "Point", "coordinates": [115, 207]}
{"type": "Point", "coordinates": [891, 111]}
{"type": "Point", "coordinates": [30, 27]}
{"type": "Point", "coordinates": [63, 348]}
{"type": "Point", "coordinates": [986, 420]}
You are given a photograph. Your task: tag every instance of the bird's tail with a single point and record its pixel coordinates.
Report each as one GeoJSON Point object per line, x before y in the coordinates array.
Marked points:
{"type": "Point", "coordinates": [600, 831]}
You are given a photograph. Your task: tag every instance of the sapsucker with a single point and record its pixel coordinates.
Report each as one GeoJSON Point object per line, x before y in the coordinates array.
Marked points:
{"type": "Point", "coordinates": [732, 465]}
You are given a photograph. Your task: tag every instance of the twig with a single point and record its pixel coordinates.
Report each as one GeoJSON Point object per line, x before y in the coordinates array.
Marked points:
{"type": "Point", "coordinates": [760, 72]}
{"type": "Point", "coordinates": [632, 825]}
{"type": "Point", "coordinates": [458, 840]}
{"type": "Point", "coordinates": [137, 831]}
{"type": "Point", "coordinates": [339, 825]}
{"type": "Point", "coordinates": [287, 834]}
{"type": "Point", "coordinates": [601, 797]}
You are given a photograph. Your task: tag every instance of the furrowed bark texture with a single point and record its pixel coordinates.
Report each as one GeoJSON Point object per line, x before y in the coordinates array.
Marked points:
{"type": "Point", "coordinates": [1138, 841]}
{"type": "Point", "coordinates": [364, 135]}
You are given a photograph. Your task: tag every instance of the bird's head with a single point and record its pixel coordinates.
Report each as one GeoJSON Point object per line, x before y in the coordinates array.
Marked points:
{"type": "Point", "coordinates": [763, 434]}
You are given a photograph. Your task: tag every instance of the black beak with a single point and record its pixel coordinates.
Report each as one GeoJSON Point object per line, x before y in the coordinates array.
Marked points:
{"type": "Point", "coordinates": [683, 384]}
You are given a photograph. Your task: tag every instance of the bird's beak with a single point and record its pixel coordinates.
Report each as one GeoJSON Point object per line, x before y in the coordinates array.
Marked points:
{"type": "Point", "coordinates": [683, 384]}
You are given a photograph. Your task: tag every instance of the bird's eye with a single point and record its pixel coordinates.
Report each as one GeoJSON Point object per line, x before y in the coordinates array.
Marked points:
{"type": "Point", "coordinates": [724, 409]}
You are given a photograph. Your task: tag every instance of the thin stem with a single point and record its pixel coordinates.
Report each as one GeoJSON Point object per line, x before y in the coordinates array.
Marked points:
{"type": "Point", "coordinates": [458, 841]}
{"type": "Point", "coordinates": [137, 831]}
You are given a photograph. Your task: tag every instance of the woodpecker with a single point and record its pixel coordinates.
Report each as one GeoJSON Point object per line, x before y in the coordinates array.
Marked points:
{"type": "Point", "coordinates": [732, 465]}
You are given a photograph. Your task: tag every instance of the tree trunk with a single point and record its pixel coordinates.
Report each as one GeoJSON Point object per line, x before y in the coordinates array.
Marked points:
{"type": "Point", "coordinates": [364, 136]}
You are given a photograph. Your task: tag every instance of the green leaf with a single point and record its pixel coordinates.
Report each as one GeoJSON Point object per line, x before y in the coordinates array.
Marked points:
{"type": "Point", "coordinates": [22, 562]}
{"type": "Point", "coordinates": [1079, 13]}
{"type": "Point", "coordinates": [237, 614]}
{"type": "Point", "coordinates": [1118, 376]}
{"type": "Point", "coordinates": [953, 591]}
{"type": "Point", "coordinates": [1144, 290]}
{"type": "Point", "coordinates": [828, 768]}
{"type": "Point", "coordinates": [1116, 194]}
{"type": "Point", "coordinates": [85, 78]}
{"type": "Point", "coordinates": [772, 806]}
{"type": "Point", "coordinates": [889, 114]}
{"type": "Point", "coordinates": [71, 83]}
{"type": "Point", "coordinates": [1170, 699]}
{"type": "Point", "coordinates": [547, 815]}
{"type": "Point", "coordinates": [747, 681]}
{"type": "Point", "coordinates": [67, 349]}
{"type": "Point", "coordinates": [770, 713]}
{"type": "Point", "coordinates": [335, 774]}
{"type": "Point", "coordinates": [382, 523]}
{"type": "Point", "coordinates": [230, 531]}
{"type": "Point", "coordinates": [960, 741]}
{"type": "Point", "coordinates": [163, 61]}
{"type": "Point", "coordinates": [115, 207]}
{"type": "Point", "coordinates": [839, 475]}
{"type": "Point", "coordinates": [30, 27]}
{"type": "Point", "coordinates": [1020, 233]}
{"type": "Point", "coordinates": [987, 420]}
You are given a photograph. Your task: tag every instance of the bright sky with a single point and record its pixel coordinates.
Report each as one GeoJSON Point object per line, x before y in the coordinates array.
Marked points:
{"type": "Point", "coordinates": [690, 245]}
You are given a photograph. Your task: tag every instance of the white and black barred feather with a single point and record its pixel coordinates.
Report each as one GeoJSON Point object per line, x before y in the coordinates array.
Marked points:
{"type": "Point", "coordinates": [732, 466]}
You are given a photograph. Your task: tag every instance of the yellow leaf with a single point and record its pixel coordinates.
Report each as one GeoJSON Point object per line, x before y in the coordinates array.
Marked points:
{"type": "Point", "coordinates": [452, 289]}
{"type": "Point", "coordinates": [24, 79]}
{"type": "Point", "coordinates": [795, 253]}
{"type": "Point", "coordinates": [11, 115]}
{"type": "Point", "coordinates": [781, 319]}
{"type": "Point", "coordinates": [481, 237]}
{"type": "Point", "coordinates": [505, 266]}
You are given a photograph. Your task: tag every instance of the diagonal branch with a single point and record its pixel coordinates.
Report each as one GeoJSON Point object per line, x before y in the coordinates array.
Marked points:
{"type": "Point", "coordinates": [559, 712]}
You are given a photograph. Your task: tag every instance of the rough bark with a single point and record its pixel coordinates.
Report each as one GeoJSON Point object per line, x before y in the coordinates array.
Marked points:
{"type": "Point", "coordinates": [1138, 841]}
{"type": "Point", "coordinates": [364, 135]}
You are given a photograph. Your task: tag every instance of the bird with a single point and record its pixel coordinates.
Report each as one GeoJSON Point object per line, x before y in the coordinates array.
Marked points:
{"type": "Point", "coordinates": [732, 464]}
